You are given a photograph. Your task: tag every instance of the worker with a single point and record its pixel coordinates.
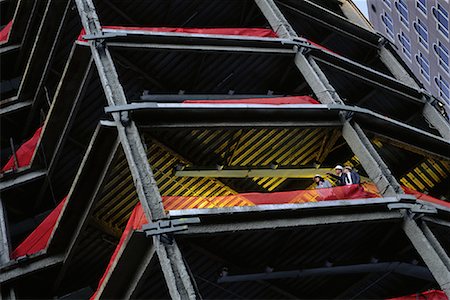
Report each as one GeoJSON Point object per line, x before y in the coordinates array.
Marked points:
{"type": "Point", "coordinates": [351, 177]}
{"type": "Point", "coordinates": [321, 183]}
{"type": "Point", "coordinates": [339, 176]}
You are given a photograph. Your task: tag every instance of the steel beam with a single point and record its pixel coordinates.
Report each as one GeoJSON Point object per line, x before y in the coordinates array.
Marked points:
{"type": "Point", "coordinates": [428, 253]}
{"type": "Point", "coordinates": [308, 173]}
{"type": "Point", "coordinates": [276, 19]}
{"type": "Point", "coordinates": [384, 267]}
{"type": "Point", "coordinates": [436, 119]}
{"type": "Point", "coordinates": [175, 273]}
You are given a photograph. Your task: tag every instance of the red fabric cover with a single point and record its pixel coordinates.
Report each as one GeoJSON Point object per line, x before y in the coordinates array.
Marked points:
{"type": "Point", "coordinates": [135, 222]}
{"type": "Point", "coordinates": [137, 218]}
{"type": "Point", "coordinates": [321, 47]}
{"type": "Point", "coordinates": [40, 236]}
{"type": "Point", "coordinates": [256, 32]}
{"type": "Point", "coordinates": [4, 33]}
{"type": "Point", "coordinates": [429, 295]}
{"type": "Point", "coordinates": [25, 153]}
{"type": "Point", "coordinates": [272, 101]}
{"type": "Point", "coordinates": [425, 197]}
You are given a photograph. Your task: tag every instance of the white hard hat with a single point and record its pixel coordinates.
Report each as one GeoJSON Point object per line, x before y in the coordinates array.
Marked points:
{"type": "Point", "coordinates": [339, 167]}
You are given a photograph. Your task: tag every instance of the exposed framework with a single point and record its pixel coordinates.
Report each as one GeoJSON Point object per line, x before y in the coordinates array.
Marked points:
{"type": "Point", "coordinates": [309, 60]}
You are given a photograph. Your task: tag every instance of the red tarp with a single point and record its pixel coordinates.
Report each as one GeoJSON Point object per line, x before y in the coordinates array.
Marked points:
{"type": "Point", "coordinates": [25, 153]}
{"type": "Point", "coordinates": [256, 32]}
{"type": "Point", "coordinates": [425, 197]}
{"type": "Point", "coordinates": [39, 238]}
{"type": "Point", "coordinates": [272, 101]}
{"type": "Point", "coordinates": [429, 295]}
{"type": "Point", "coordinates": [4, 33]}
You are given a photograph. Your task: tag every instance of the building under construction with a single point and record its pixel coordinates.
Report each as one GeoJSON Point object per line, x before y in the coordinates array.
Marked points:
{"type": "Point", "coordinates": [166, 149]}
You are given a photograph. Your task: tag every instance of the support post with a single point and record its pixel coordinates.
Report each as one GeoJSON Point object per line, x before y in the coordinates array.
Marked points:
{"type": "Point", "coordinates": [174, 269]}
{"type": "Point", "coordinates": [276, 19]}
{"type": "Point", "coordinates": [371, 160]}
{"type": "Point", "coordinates": [438, 121]}
{"type": "Point", "coordinates": [396, 68]}
{"type": "Point", "coordinates": [316, 79]}
{"type": "Point", "coordinates": [428, 253]}
{"type": "Point", "coordinates": [373, 164]}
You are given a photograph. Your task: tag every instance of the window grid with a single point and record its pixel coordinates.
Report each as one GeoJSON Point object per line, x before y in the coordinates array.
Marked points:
{"type": "Point", "coordinates": [422, 31]}
{"type": "Point", "coordinates": [443, 55]}
{"type": "Point", "coordinates": [388, 24]}
{"type": "Point", "coordinates": [402, 8]}
{"type": "Point", "coordinates": [424, 66]}
{"type": "Point", "coordinates": [444, 88]}
{"type": "Point", "coordinates": [406, 44]}
{"type": "Point", "coordinates": [422, 6]}
{"type": "Point", "coordinates": [441, 16]}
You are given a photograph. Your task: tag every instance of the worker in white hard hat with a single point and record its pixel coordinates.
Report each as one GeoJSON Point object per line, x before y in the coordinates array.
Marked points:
{"type": "Point", "coordinates": [339, 176]}
{"type": "Point", "coordinates": [321, 183]}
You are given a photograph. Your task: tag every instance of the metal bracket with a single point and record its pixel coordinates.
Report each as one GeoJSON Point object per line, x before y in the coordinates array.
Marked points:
{"type": "Point", "coordinates": [168, 226]}
{"type": "Point", "coordinates": [103, 36]}
{"type": "Point", "coordinates": [414, 208]}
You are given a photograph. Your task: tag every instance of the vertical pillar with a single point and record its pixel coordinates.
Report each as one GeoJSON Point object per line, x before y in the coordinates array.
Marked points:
{"type": "Point", "coordinates": [177, 278]}
{"type": "Point", "coordinates": [430, 256]}
{"type": "Point", "coordinates": [276, 19]}
{"type": "Point", "coordinates": [373, 164]}
{"type": "Point", "coordinates": [5, 248]}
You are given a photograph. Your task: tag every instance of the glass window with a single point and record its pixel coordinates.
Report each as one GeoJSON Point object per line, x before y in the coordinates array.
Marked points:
{"type": "Point", "coordinates": [443, 55]}
{"type": "Point", "coordinates": [406, 44]}
{"type": "Point", "coordinates": [422, 30]}
{"type": "Point", "coordinates": [441, 16]}
{"type": "Point", "coordinates": [402, 8]}
{"type": "Point", "coordinates": [388, 24]}
{"type": "Point", "coordinates": [444, 89]}
{"type": "Point", "coordinates": [388, 3]}
{"type": "Point", "coordinates": [422, 6]}
{"type": "Point", "coordinates": [424, 66]}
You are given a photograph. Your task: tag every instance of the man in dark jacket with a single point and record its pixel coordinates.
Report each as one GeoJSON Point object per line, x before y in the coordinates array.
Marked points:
{"type": "Point", "coordinates": [340, 176]}
{"type": "Point", "coordinates": [350, 176]}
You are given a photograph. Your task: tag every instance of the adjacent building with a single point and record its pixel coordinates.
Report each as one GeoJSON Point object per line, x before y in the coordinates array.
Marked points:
{"type": "Point", "coordinates": [420, 31]}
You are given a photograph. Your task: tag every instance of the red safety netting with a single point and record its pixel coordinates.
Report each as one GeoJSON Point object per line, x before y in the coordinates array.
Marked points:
{"type": "Point", "coordinates": [40, 236]}
{"type": "Point", "coordinates": [4, 33]}
{"type": "Point", "coordinates": [25, 153]}
{"type": "Point", "coordinates": [272, 101]}
{"type": "Point", "coordinates": [321, 47]}
{"type": "Point", "coordinates": [425, 197]}
{"type": "Point", "coordinates": [256, 32]}
{"type": "Point", "coordinates": [428, 295]}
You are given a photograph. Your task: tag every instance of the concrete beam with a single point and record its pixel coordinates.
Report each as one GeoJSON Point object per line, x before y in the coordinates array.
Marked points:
{"type": "Point", "coordinates": [437, 120]}
{"type": "Point", "coordinates": [370, 160]}
{"type": "Point", "coordinates": [276, 19]}
{"type": "Point", "coordinates": [396, 68]}
{"type": "Point", "coordinates": [177, 278]}
{"type": "Point", "coordinates": [5, 245]}
{"type": "Point", "coordinates": [22, 179]}
{"type": "Point", "coordinates": [276, 224]}
{"type": "Point", "coordinates": [384, 267]}
{"type": "Point", "coordinates": [317, 80]}
{"type": "Point", "coordinates": [353, 15]}
{"type": "Point", "coordinates": [428, 253]}
{"type": "Point", "coordinates": [27, 269]}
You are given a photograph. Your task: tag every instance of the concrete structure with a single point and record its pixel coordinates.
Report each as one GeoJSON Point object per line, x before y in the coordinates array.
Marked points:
{"type": "Point", "coordinates": [419, 29]}
{"type": "Point", "coordinates": [117, 131]}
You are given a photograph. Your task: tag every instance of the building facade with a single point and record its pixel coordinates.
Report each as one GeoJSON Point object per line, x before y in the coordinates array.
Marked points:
{"type": "Point", "coordinates": [420, 31]}
{"type": "Point", "coordinates": [169, 149]}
